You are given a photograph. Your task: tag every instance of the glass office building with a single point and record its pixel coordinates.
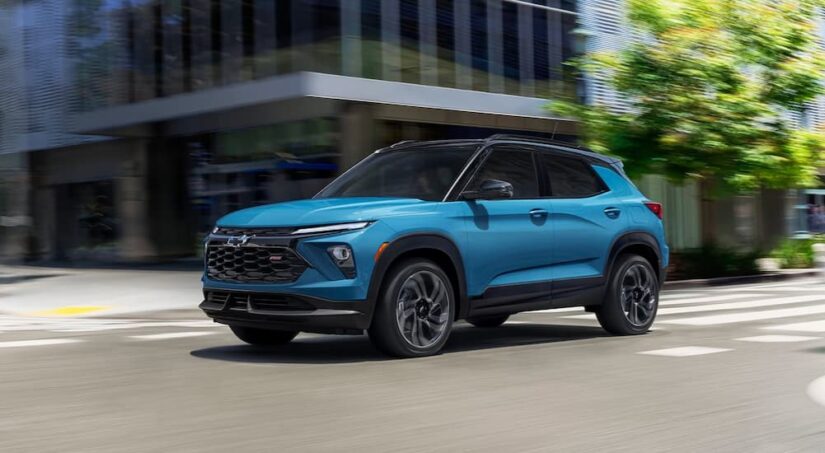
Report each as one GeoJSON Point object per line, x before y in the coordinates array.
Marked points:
{"type": "Point", "coordinates": [166, 114]}
{"type": "Point", "coordinates": [144, 49]}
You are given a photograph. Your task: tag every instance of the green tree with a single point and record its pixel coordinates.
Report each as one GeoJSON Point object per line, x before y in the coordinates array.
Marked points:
{"type": "Point", "coordinates": [710, 86]}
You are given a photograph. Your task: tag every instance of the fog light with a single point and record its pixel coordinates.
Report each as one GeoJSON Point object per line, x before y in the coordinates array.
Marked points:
{"type": "Point", "coordinates": [340, 252]}
{"type": "Point", "coordinates": [342, 256]}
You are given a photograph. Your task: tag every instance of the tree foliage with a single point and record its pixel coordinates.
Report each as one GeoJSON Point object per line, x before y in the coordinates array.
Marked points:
{"type": "Point", "coordinates": [710, 87]}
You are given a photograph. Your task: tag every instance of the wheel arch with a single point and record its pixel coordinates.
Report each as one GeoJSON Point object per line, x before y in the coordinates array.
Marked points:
{"type": "Point", "coordinates": [640, 243]}
{"type": "Point", "coordinates": [435, 247]}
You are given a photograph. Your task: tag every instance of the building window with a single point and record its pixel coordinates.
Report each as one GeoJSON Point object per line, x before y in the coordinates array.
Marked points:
{"type": "Point", "coordinates": [371, 38]}
{"type": "Point", "coordinates": [445, 36]}
{"type": "Point", "coordinates": [410, 51]}
{"type": "Point", "coordinates": [478, 40]}
{"type": "Point", "coordinates": [283, 35]}
{"type": "Point", "coordinates": [326, 36]}
{"type": "Point", "coordinates": [510, 47]}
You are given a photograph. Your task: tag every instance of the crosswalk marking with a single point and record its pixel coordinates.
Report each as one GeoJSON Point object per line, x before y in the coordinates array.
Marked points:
{"type": "Point", "coordinates": [705, 300]}
{"type": "Point", "coordinates": [672, 296]}
{"type": "Point", "coordinates": [684, 351]}
{"type": "Point", "coordinates": [167, 336]}
{"type": "Point", "coordinates": [816, 390]}
{"type": "Point", "coordinates": [24, 323]}
{"type": "Point", "coordinates": [777, 339]}
{"type": "Point", "coordinates": [807, 326]}
{"type": "Point", "coordinates": [715, 320]}
{"type": "Point", "coordinates": [728, 306]}
{"type": "Point", "coordinates": [740, 305]}
{"type": "Point", "coordinates": [46, 342]}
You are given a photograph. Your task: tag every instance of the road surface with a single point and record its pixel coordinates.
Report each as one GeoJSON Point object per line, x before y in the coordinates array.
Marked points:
{"type": "Point", "coordinates": [738, 368]}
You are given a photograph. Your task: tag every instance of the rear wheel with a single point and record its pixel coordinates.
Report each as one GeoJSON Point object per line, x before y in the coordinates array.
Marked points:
{"type": "Point", "coordinates": [489, 321]}
{"type": "Point", "coordinates": [263, 337]}
{"type": "Point", "coordinates": [414, 311]}
{"type": "Point", "coordinates": [632, 297]}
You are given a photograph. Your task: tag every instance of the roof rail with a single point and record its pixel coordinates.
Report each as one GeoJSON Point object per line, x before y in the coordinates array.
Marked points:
{"type": "Point", "coordinates": [402, 142]}
{"type": "Point", "coordinates": [530, 138]}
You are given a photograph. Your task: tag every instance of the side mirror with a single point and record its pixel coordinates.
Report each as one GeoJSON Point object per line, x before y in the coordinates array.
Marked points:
{"type": "Point", "coordinates": [491, 189]}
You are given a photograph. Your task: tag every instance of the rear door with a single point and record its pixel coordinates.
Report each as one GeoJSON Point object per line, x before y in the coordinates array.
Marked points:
{"type": "Point", "coordinates": [585, 217]}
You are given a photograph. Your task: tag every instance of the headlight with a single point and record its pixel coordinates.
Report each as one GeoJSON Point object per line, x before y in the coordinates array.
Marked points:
{"type": "Point", "coordinates": [331, 228]}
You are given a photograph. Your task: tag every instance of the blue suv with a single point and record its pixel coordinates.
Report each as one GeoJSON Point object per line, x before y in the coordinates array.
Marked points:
{"type": "Point", "coordinates": [420, 235]}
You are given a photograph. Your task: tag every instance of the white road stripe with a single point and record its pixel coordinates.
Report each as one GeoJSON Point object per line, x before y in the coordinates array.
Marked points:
{"type": "Point", "coordinates": [47, 342]}
{"type": "Point", "coordinates": [167, 336]}
{"type": "Point", "coordinates": [684, 351]}
{"type": "Point", "coordinates": [816, 390]}
{"type": "Point", "coordinates": [716, 320]}
{"type": "Point", "coordinates": [706, 300]}
{"type": "Point", "coordinates": [669, 296]}
{"type": "Point", "coordinates": [728, 306]}
{"type": "Point", "coordinates": [808, 326]}
{"type": "Point", "coordinates": [741, 305]}
{"type": "Point", "coordinates": [777, 339]}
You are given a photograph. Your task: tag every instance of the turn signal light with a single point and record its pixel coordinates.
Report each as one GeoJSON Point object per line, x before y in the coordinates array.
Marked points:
{"type": "Point", "coordinates": [655, 208]}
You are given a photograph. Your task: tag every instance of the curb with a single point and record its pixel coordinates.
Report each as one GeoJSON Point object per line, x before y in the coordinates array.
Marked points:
{"type": "Point", "coordinates": [743, 279]}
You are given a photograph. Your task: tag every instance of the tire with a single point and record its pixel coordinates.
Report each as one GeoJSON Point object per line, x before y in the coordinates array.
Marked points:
{"type": "Point", "coordinates": [263, 337]}
{"type": "Point", "coordinates": [632, 297]}
{"type": "Point", "coordinates": [489, 321]}
{"type": "Point", "coordinates": [408, 321]}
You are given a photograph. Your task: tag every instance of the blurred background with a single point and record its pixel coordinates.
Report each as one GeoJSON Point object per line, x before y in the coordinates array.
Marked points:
{"type": "Point", "coordinates": [127, 127]}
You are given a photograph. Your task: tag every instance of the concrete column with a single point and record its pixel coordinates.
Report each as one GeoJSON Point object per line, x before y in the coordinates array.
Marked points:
{"type": "Point", "coordinates": [15, 219]}
{"type": "Point", "coordinates": [357, 134]}
{"type": "Point", "coordinates": [132, 206]}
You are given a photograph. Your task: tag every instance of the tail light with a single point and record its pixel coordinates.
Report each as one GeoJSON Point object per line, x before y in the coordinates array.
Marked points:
{"type": "Point", "coordinates": [655, 208]}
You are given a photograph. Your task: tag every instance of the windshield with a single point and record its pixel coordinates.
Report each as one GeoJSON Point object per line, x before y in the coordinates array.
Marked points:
{"type": "Point", "coordinates": [426, 173]}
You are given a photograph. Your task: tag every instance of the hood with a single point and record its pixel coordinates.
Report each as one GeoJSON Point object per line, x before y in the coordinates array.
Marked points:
{"type": "Point", "coordinates": [324, 211]}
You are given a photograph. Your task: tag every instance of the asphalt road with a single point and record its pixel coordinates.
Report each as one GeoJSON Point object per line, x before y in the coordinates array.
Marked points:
{"type": "Point", "coordinates": [726, 369]}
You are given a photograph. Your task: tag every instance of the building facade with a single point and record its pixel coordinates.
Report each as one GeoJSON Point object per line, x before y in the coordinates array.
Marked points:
{"type": "Point", "coordinates": [166, 114]}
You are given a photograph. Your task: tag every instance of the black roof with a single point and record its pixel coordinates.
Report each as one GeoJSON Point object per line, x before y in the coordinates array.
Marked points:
{"type": "Point", "coordinates": [513, 138]}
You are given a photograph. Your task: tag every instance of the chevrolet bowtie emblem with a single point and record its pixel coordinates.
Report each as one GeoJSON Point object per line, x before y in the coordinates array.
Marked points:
{"type": "Point", "coordinates": [238, 241]}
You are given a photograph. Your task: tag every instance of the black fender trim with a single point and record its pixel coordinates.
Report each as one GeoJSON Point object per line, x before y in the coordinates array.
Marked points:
{"type": "Point", "coordinates": [415, 242]}
{"type": "Point", "coordinates": [630, 239]}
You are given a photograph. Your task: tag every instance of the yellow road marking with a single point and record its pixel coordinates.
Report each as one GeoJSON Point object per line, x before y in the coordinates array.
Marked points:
{"type": "Point", "coordinates": [71, 310]}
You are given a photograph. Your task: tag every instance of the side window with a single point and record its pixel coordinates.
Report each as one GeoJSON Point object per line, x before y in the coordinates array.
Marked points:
{"type": "Point", "coordinates": [570, 177]}
{"type": "Point", "coordinates": [515, 166]}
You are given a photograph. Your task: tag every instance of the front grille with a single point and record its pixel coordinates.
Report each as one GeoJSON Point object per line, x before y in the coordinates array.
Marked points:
{"type": "Point", "coordinates": [264, 302]}
{"type": "Point", "coordinates": [251, 264]}
{"type": "Point", "coordinates": [274, 231]}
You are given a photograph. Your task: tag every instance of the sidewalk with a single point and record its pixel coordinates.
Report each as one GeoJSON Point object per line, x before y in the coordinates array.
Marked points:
{"type": "Point", "coordinates": [39, 291]}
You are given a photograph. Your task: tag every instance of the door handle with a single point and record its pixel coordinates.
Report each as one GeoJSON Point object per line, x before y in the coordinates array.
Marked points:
{"type": "Point", "coordinates": [612, 213]}
{"type": "Point", "coordinates": [538, 213]}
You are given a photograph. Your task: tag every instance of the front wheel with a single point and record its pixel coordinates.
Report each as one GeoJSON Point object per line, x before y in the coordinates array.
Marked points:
{"type": "Point", "coordinates": [263, 337]}
{"type": "Point", "coordinates": [632, 297]}
{"type": "Point", "coordinates": [414, 311]}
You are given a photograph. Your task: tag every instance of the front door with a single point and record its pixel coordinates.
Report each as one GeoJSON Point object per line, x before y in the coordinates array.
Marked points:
{"type": "Point", "coordinates": [508, 240]}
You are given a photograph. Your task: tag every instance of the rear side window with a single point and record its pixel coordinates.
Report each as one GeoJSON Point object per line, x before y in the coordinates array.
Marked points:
{"type": "Point", "coordinates": [515, 166]}
{"type": "Point", "coordinates": [570, 177]}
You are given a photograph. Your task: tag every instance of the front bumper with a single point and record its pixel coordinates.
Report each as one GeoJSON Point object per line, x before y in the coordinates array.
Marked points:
{"type": "Point", "coordinates": [285, 311]}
